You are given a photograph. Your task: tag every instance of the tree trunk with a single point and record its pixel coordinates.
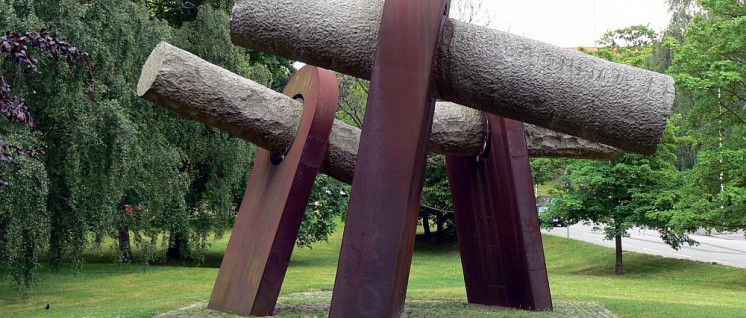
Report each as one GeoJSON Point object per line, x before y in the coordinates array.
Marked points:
{"type": "Point", "coordinates": [439, 222]}
{"type": "Point", "coordinates": [426, 225]}
{"type": "Point", "coordinates": [178, 247]}
{"type": "Point", "coordinates": [618, 266]}
{"type": "Point", "coordinates": [125, 248]}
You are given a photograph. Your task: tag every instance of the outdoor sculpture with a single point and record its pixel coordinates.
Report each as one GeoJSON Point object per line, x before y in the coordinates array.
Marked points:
{"type": "Point", "coordinates": [416, 54]}
{"type": "Point", "coordinates": [486, 69]}
{"type": "Point", "coordinates": [212, 95]}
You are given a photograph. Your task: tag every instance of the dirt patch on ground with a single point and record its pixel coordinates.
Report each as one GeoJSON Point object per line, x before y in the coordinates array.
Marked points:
{"type": "Point", "coordinates": [316, 304]}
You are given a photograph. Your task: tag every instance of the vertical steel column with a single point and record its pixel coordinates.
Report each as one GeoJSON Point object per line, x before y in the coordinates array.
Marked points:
{"type": "Point", "coordinates": [498, 224]}
{"type": "Point", "coordinates": [376, 252]}
{"type": "Point", "coordinates": [272, 209]}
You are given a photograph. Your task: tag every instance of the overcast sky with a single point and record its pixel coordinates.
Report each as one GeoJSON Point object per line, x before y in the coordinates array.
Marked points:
{"type": "Point", "coordinates": [572, 23]}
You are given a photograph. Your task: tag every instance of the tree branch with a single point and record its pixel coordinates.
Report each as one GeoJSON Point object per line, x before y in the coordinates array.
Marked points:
{"type": "Point", "coordinates": [736, 115]}
{"type": "Point", "coordinates": [432, 210]}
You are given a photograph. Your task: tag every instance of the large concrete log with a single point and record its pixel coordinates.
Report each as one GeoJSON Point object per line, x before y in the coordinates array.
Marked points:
{"type": "Point", "coordinates": [541, 142]}
{"type": "Point", "coordinates": [193, 87]}
{"type": "Point", "coordinates": [482, 68]}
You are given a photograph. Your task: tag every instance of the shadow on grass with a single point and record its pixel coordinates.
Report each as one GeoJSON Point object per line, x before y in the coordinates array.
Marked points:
{"type": "Point", "coordinates": [430, 245]}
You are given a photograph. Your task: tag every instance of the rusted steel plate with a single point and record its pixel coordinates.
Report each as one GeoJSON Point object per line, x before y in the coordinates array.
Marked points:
{"type": "Point", "coordinates": [387, 186]}
{"type": "Point", "coordinates": [272, 209]}
{"type": "Point", "coordinates": [497, 222]}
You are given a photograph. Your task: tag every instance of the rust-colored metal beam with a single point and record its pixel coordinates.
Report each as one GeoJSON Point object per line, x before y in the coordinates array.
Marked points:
{"type": "Point", "coordinates": [497, 222]}
{"type": "Point", "coordinates": [378, 242]}
{"type": "Point", "coordinates": [275, 201]}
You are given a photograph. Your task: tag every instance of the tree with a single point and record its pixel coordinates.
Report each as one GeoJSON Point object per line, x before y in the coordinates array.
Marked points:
{"type": "Point", "coordinates": [710, 65]}
{"type": "Point", "coordinates": [93, 145]}
{"type": "Point", "coordinates": [631, 190]}
{"type": "Point", "coordinates": [327, 203]}
{"type": "Point", "coordinates": [101, 162]}
{"type": "Point", "coordinates": [217, 178]}
{"type": "Point", "coordinates": [437, 204]}
{"type": "Point", "coordinates": [353, 98]}
{"type": "Point", "coordinates": [24, 216]}
{"type": "Point", "coordinates": [544, 170]}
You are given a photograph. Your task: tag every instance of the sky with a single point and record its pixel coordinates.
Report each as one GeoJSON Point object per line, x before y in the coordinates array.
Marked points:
{"type": "Point", "coordinates": [573, 23]}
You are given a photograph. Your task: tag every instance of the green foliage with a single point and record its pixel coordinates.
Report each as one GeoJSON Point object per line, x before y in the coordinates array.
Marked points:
{"type": "Point", "coordinates": [545, 170]}
{"type": "Point", "coordinates": [632, 46]}
{"type": "Point", "coordinates": [177, 12]}
{"type": "Point", "coordinates": [701, 202]}
{"type": "Point", "coordinates": [710, 65]}
{"type": "Point", "coordinates": [353, 98]}
{"type": "Point", "coordinates": [629, 191]}
{"type": "Point", "coordinates": [24, 219]}
{"type": "Point", "coordinates": [328, 201]}
{"type": "Point", "coordinates": [217, 165]}
{"type": "Point", "coordinates": [437, 191]}
{"type": "Point", "coordinates": [114, 165]}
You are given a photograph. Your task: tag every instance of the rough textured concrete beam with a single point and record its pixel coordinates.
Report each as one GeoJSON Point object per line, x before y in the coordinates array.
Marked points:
{"type": "Point", "coordinates": [482, 68]}
{"type": "Point", "coordinates": [193, 87]}
{"type": "Point", "coordinates": [541, 142]}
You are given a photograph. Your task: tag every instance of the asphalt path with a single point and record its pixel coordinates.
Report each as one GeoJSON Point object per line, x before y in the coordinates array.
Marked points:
{"type": "Point", "coordinates": [726, 249]}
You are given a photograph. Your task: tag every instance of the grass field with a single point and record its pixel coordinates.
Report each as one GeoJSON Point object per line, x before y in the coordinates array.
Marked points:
{"type": "Point", "coordinates": [545, 189]}
{"type": "Point", "coordinates": [579, 273]}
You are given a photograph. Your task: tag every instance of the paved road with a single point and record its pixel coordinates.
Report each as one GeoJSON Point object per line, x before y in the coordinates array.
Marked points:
{"type": "Point", "coordinates": [726, 249]}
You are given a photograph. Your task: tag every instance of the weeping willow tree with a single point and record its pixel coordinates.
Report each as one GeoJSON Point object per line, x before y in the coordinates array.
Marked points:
{"type": "Point", "coordinates": [98, 162]}
{"type": "Point", "coordinates": [100, 146]}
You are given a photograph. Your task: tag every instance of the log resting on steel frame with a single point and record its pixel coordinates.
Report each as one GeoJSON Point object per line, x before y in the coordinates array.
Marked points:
{"type": "Point", "coordinates": [497, 222]}
{"type": "Point", "coordinates": [197, 89]}
{"type": "Point", "coordinates": [486, 69]}
{"type": "Point", "coordinates": [274, 203]}
{"type": "Point", "coordinates": [378, 242]}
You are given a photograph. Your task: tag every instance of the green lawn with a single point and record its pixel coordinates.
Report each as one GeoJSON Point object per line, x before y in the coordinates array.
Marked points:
{"type": "Point", "coordinates": [579, 273]}
{"type": "Point", "coordinates": [544, 189]}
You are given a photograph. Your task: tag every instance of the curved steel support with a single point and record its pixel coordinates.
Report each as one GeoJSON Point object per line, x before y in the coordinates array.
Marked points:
{"type": "Point", "coordinates": [275, 201]}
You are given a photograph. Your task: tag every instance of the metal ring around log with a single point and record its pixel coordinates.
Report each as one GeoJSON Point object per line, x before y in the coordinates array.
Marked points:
{"type": "Point", "coordinates": [275, 201]}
